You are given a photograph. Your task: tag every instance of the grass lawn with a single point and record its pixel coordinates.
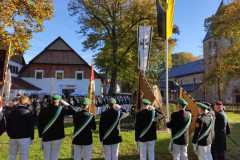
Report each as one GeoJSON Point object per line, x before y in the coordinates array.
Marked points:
{"type": "Point", "coordinates": [127, 147]}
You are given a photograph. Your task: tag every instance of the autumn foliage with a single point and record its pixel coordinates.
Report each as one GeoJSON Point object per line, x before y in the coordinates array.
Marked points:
{"type": "Point", "coordinates": [22, 18]}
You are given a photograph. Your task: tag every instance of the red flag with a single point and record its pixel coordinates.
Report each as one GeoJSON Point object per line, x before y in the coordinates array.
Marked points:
{"type": "Point", "coordinates": [91, 92]}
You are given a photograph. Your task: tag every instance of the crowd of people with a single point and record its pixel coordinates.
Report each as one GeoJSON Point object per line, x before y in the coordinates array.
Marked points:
{"type": "Point", "coordinates": [209, 139]}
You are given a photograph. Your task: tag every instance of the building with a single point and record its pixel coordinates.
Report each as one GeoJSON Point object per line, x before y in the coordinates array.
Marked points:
{"type": "Point", "coordinates": [19, 86]}
{"type": "Point", "coordinates": [211, 50]}
{"type": "Point", "coordinates": [59, 61]}
{"type": "Point", "coordinates": [189, 76]}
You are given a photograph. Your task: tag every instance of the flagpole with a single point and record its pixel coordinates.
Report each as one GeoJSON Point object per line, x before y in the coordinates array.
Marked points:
{"type": "Point", "coordinates": [144, 50]}
{"type": "Point", "coordinates": [167, 105]}
{"type": "Point", "coordinates": [5, 70]}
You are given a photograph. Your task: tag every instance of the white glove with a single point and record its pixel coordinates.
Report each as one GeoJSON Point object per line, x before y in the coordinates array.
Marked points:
{"type": "Point", "coordinates": [31, 142]}
{"type": "Point", "coordinates": [116, 105]}
{"type": "Point", "coordinates": [151, 107]}
{"type": "Point", "coordinates": [64, 103]}
{"type": "Point", "coordinates": [167, 121]}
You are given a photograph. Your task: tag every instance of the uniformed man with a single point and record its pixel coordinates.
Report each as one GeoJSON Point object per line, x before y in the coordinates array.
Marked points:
{"type": "Point", "coordinates": [109, 129]}
{"type": "Point", "coordinates": [20, 129]}
{"type": "Point", "coordinates": [202, 138]}
{"type": "Point", "coordinates": [99, 106]}
{"type": "Point", "coordinates": [84, 122]}
{"type": "Point", "coordinates": [104, 102]}
{"type": "Point", "coordinates": [179, 125]}
{"type": "Point", "coordinates": [2, 121]}
{"type": "Point", "coordinates": [51, 127]}
{"type": "Point", "coordinates": [221, 130]}
{"type": "Point", "coordinates": [145, 129]}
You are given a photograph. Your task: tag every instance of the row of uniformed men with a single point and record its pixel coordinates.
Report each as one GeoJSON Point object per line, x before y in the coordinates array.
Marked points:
{"type": "Point", "coordinates": [51, 130]}
{"type": "Point", "coordinates": [102, 104]}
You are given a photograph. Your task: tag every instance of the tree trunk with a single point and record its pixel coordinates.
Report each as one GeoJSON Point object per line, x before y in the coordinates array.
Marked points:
{"type": "Point", "coordinates": [219, 91]}
{"type": "Point", "coordinates": [113, 84]}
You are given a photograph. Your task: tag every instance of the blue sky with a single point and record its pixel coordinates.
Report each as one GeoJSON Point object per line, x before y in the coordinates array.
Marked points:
{"type": "Point", "coordinates": [189, 16]}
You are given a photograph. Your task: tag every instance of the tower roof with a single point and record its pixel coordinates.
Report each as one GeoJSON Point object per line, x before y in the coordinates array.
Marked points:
{"type": "Point", "coordinates": [208, 34]}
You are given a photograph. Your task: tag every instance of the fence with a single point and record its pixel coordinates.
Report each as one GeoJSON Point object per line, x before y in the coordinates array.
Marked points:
{"type": "Point", "coordinates": [232, 107]}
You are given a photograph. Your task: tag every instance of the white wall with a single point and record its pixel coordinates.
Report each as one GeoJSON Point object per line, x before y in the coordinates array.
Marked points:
{"type": "Point", "coordinates": [16, 65]}
{"type": "Point", "coordinates": [66, 83]}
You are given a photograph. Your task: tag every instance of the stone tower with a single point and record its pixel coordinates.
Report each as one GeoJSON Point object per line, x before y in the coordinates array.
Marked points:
{"type": "Point", "coordinates": [211, 50]}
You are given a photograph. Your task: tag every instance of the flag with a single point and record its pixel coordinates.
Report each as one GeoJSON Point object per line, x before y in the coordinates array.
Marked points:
{"type": "Point", "coordinates": [8, 85]}
{"type": "Point", "coordinates": [91, 92]}
{"type": "Point", "coordinates": [146, 92]}
{"type": "Point", "coordinates": [3, 56]}
{"type": "Point", "coordinates": [165, 17]}
{"type": "Point", "coordinates": [191, 107]}
{"type": "Point", "coordinates": [144, 34]}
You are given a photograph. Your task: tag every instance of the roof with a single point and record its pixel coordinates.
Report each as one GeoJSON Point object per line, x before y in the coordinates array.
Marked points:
{"type": "Point", "coordinates": [49, 48]}
{"type": "Point", "coordinates": [18, 59]}
{"type": "Point", "coordinates": [188, 87]}
{"type": "Point", "coordinates": [162, 84]}
{"type": "Point", "coordinates": [208, 34]}
{"type": "Point", "coordinates": [185, 69]}
{"type": "Point", "coordinates": [18, 83]}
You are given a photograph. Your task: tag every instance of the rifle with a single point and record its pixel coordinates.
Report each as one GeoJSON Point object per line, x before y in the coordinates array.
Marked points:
{"type": "Point", "coordinates": [232, 140]}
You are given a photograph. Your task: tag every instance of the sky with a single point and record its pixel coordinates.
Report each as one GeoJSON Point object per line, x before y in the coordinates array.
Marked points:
{"type": "Point", "coordinates": [189, 15]}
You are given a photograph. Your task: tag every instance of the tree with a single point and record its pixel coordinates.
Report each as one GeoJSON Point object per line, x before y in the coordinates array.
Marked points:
{"type": "Point", "coordinates": [113, 23]}
{"type": "Point", "coordinates": [22, 19]}
{"type": "Point", "coordinates": [183, 58]}
{"type": "Point", "coordinates": [225, 25]}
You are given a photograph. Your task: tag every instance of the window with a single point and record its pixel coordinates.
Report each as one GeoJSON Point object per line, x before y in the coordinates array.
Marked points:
{"type": "Point", "coordinates": [10, 67]}
{"type": "Point", "coordinates": [16, 70]}
{"type": "Point", "coordinates": [59, 75]}
{"type": "Point", "coordinates": [79, 75]}
{"type": "Point", "coordinates": [39, 74]}
{"type": "Point", "coordinates": [13, 71]}
{"type": "Point", "coordinates": [209, 44]}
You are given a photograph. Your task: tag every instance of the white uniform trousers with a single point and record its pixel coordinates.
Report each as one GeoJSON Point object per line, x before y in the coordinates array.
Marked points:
{"type": "Point", "coordinates": [22, 145]}
{"type": "Point", "coordinates": [111, 151]}
{"type": "Point", "coordinates": [85, 149]}
{"type": "Point", "coordinates": [204, 152]}
{"type": "Point", "coordinates": [179, 152]}
{"type": "Point", "coordinates": [146, 150]}
{"type": "Point", "coordinates": [51, 149]}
